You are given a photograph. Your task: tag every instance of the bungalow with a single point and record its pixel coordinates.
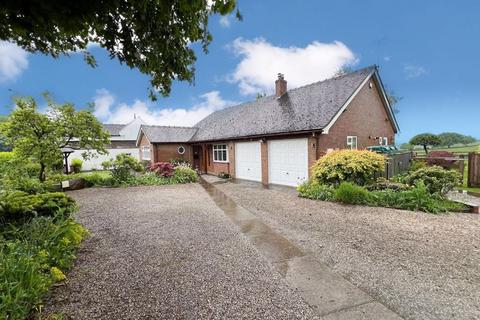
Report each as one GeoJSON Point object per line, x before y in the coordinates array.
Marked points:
{"type": "Point", "coordinates": [276, 139]}
{"type": "Point", "coordinates": [123, 139]}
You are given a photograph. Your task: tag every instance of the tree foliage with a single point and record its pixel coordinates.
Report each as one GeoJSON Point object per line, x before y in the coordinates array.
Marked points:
{"type": "Point", "coordinates": [425, 140]}
{"type": "Point", "coordinates": [40, 136]}
{"type": "Point", "coordinates": [450, 138]}
{"type": "Point", "coordinates": [153, 36]}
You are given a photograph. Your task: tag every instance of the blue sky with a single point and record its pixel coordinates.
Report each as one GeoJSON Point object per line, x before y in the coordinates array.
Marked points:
{"type": "Point", "coordinates": [428, 53]}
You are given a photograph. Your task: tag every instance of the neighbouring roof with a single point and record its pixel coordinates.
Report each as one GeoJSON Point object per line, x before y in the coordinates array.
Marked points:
{"type": "Point", "coordinates": [156, 134]}
{"type": "Point", "coordinates": [310, 107]}
{"type": "Point", "coordinates": [113, 129]}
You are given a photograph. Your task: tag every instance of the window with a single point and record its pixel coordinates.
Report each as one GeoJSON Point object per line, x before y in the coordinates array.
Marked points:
{"type": "Point", "coordinates": [352, 142]}
{"type": "Point", "coordinates": [181, 150]}
{"type": "Point", "coordinates": [145, 152]}
{"type": "Point", "coordinates": [220, 153]}
{"type": "Point", "coordinates": [383, 141]}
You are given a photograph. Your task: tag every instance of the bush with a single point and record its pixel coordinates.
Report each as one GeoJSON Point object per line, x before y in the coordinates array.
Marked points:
{"type": "Point", "coordinates": [19, 207]}
{"type": "Point", "coordinates": [354, 166]}
{"type": "Point", "coordinates": [435, 178]}
{"type": "Point", "coordinates": [417, 165]}
{"type": "Point", "coordinates": [384, 184]}
{"type": "Point", "coordinates": [179, 162]}
{"type": "Point", "coordinates": [77, 165]}
{"type": "Point", "coordinates": [123, 167]}
{"type": "Point", "coordinates": [352, 194]}
{"type": "Point", "coordinates": [25, 184]}
{"type": "Point", "coordinates": [417, 198]}
{"type": "Point", "coordinates": [33, 257]}
{"type": "Point", "coordinates": [316, 191]}
{"type": "Point", "coordinates": [162, 169]}
{"type": "Point", "coordinates": [446, 164]}
{"type": "Point", "coordinates": [184, 174]}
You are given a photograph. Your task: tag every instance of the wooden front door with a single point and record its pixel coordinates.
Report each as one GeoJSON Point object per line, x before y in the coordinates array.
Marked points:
{"type": "Point", "coordinates": [198, 163]}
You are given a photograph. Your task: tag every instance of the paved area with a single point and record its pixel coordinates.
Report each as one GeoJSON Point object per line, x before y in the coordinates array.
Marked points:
{"type": "Point", "coordinates": [419, 265]}
{"type": "Point", "coordinates": [169, 253]}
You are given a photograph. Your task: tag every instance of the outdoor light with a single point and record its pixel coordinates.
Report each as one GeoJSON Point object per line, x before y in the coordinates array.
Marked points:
{"type": "Point", "coordinates": [66, 152]}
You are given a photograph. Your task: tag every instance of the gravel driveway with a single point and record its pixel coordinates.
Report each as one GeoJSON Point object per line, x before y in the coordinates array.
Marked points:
{"type": "Point", "coordinates": [420, 265]}
{"type": "Point", "coordinates": [168, 253]}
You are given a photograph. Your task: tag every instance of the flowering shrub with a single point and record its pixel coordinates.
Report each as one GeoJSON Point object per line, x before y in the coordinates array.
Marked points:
{"type": "Point", "coordinates": [123, 167]}
{"type": "Point", "coordinates": [435, 178]}
{"type": "Point", "coordinates": [446, 164]}
{"type": "Point", "coordinates": [357, 166]}
{"type": "Point", "coordinates": [162, 169]}
{"type": "Point", "coordinates": [184, 174]}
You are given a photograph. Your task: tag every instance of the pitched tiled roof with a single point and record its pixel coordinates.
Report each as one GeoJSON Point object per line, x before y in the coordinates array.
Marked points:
{"type": "Point", "coordinates": [310, 107]}
{"type": "Point", "coordinates": [157, 134]}
{"type": "Point", "coordinates": [113, 129]}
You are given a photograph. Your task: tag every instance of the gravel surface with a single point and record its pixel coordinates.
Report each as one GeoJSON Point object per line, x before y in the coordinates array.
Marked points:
{"type": "Point", "coordinates": [420, 265]}
{"type": "Point", "coordinates": [168, 253]}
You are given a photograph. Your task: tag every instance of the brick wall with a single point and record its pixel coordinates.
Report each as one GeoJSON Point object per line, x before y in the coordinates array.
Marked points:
{"type": "Point", "coordinates": [218, 167]}
{"type": "Point", "coordinates": [166, 152]}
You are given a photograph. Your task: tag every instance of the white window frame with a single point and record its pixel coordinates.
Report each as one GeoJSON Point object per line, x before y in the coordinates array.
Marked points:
{"type": "Point", "coordinates": [383, 141]}
{"type": "Point", "coordinates": [350, 142]}
{"type": "Point", "coordinates": [218, 149]}
{"type": "Point", "coordinates": [146, 153]}
{"type": "Point", "coordinates": [183, 148]}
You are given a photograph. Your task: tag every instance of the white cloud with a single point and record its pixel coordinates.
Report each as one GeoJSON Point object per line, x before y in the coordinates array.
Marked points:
{"type": "Point", "coordinates": [412, 71]}
{"type": "Point", "coordinates": [109, 112]}
{"type": "Point", "coordinates": [225, 21]}
{"type": "Point", "coordinates": [261, 61]}
{"type": "Point", "coordinates": [13, 61]}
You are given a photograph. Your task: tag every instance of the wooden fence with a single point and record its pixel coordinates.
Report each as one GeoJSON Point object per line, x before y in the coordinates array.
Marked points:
{"type": "Point", "coordinates": [473, 176]}
{"type": "Point", "coordinates": [397, 163]}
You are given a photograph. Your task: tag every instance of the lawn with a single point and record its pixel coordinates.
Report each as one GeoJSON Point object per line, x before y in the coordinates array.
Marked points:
{"type": "Point", "coordinates": [457, 150]}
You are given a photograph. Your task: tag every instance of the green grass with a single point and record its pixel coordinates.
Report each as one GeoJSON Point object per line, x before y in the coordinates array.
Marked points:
{"type": "Point", "coordinates": [456, 150]}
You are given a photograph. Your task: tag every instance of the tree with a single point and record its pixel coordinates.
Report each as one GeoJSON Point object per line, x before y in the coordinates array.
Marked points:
{"type": "Point", "coordinates": [153, 36]}
{"type": "Point", "coordinates": [3, 146]}
{"type": "Point", "coordinates": [40, 136]}
{"type": "Point", "coordinates": [425, 140]}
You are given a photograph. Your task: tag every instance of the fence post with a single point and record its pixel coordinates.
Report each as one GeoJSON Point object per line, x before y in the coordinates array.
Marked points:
{"type": "Point", "coordinates": [473, 170]}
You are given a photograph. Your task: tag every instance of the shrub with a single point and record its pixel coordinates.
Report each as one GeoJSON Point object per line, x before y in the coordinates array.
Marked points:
{"type": "Point", "coordinates": [123, 167]}
{"type": "Point", "coordinates": [351, 194]}
{"type": "Point", "coordinates": [417, 198]}
{"type": "Point", "coordinates": [384, 184]}
{"type": "Point", "coordinates": [19, 207]}
{"type": "Point", "coordinates": [22, 183]}
{"type": "Point", "coordinates": [435, 178]}
{"type": "Point", "coordinates": [178, 162]}
{"type": "Point", "coordinates": [97, 179]}
{"type": "Point", "coordinates": [77, 165]}
{"type": "Point", "coordinates": [316, 191]}
{"type": "Point", "coordinates": [162, 169]}
{"type": "Point", "coordinates": [417, 165]}
{"type": "Point", "coordinates": [33, 256]}
{"type": "Point", "coordinates": [446, 164]}
{"type": "Point", "coordinates": [355, 166]}
{"type": "Point", "coordinates": [184, 174]}
{"type": "Point", "coordinates": [147, 179]}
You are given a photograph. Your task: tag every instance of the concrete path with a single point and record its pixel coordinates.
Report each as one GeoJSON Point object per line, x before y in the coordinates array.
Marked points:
{"type": "Point", "coordinates": [328, 293]}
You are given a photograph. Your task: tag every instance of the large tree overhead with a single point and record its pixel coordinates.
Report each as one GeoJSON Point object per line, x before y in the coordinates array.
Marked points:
{"type": "Point", "coordinates": [153, 36]}
{"type": "Point", "coordinates": [40, 136]}
{"type": "Point", "coordinates": [425, 140]}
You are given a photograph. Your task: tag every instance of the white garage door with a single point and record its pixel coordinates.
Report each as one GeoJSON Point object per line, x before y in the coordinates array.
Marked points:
{"type": "Point", "coordinates": [248, 164]}
{"type": "Point", "coordinates": [288, 161]}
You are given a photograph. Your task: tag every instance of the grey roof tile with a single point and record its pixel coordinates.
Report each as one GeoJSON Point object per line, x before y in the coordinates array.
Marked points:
{"type": "Point", "coordinates": [113, 129]}
{"type": "Point", "coordinates": [156, 134]}
{"type": "Point", "coordinates": [310, 107]}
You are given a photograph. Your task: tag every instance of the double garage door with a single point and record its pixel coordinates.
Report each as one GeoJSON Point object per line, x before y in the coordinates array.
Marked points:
{"type": "Point", "coordinates": [287, 161]}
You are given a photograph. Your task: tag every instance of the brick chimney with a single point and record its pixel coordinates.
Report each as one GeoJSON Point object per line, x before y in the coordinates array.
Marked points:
{"type": "Point", "coordinates": [280, 85]}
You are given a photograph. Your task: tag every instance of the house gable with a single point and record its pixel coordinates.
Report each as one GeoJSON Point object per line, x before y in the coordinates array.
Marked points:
{"type": "Point", "coordinates": [366, 116]}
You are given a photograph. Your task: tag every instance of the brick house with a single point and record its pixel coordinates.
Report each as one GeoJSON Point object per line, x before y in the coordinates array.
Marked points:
{"type": "Point", "coordinates": [276, 139]}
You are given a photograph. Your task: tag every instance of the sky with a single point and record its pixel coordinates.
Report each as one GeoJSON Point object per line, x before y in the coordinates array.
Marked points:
{"type": "Point", "coordinates": [428, 53]}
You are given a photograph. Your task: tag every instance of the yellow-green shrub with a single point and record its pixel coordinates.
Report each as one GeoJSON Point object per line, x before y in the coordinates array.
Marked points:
{"type": "Point", "coordinates": [357, 166]}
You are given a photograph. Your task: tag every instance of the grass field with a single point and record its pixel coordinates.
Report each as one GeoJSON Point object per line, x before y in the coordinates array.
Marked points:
{"type": "Point", "coordinates": [456, 150]}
